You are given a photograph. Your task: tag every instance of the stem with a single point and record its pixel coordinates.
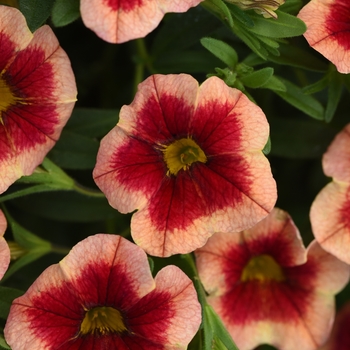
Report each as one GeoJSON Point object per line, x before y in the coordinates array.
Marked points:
{"type": "Point", "coordinates": [59, 250]}
{"type": "Point", "coordinates": [87, 191]}
{"type": "Point", "coordinates": [143, 61]}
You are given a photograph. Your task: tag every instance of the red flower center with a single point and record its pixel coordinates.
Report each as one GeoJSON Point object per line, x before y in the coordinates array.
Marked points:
{"type": "Point", "coordinates": [102, 320]}
{"type": "Point", "coordinates": [181, 154]}
{"type": "Point", "coordinates": [262, 268]}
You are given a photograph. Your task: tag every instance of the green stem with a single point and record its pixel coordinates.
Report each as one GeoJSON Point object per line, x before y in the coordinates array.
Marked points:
{"type": "Point", "coordinates": [87, 191]}
{"type": "Point", "coordinates": [144, 60]}
{"type": "Point", "coordinates": [59, 250]}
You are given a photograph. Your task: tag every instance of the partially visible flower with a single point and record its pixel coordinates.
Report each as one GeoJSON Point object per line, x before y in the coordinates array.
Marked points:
{"type": "Point", "coordinates": [118, 21]}
{"type": "Point", "coordinates": [262, 7]}
{"type": "Point", "coordinates": [190, 159]}
{"type": "Point", "coordinates": [102, 296]}
{"type": "Point", "coordinates": [330, 211]}
{"type": "Point", "coordinates": [328, 30]}
{"type": "Point", "coordinates": [37, 94]}
{"type": "Point", "coordinates": [340, 335]}
{"type": "Point", "coordinates": [268, 288]}
{"type": "Point", "coordinates": [4, 249]}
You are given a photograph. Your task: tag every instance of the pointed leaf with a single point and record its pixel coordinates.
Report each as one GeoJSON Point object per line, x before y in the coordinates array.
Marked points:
{"type": "Point", "coordinates": [220, 9]}
{"type": "Point", "coordinates": [306, 103]}
{"type": "Point", "coordinates": [65, 12]}
{"type": "Point", "coordinates": [221, 50]}
{"type": "Point", "coordinates": [334, 95]}
{"type": "Point", "coordinates": [284, 26]}
{"type": "Point", "coordinates": [258, 78]}
{"type": "Point", "coordinates": [36, 12]}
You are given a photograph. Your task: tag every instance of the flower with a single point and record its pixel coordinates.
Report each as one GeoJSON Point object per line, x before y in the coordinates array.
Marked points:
{"type": "Point", "coordinates": [118, 21]}
{"type": "Point", "coordinates": [189, 159]}
{"type": "Point", "coordinates": [4, 249]}
{"type": "Point", "coordinates": [262, 7]}
{"type": "Point", "coordinates": [268, 288]}
{"type": "Point", "coordinates": [329, 214]}
{"type": "Point", "coordinates": [37, 94]}
{"type": "Point", "coordinates": [340, 335]}
{"type": "Point", "coordinates": [328, 30]}
{"type": "Point", "coordinates": [102, 296]}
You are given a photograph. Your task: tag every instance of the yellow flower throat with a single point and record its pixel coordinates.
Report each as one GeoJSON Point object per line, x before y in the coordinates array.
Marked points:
{"type": "Point", "coordinates": [262, 268]}
{"type": "Point", "coordinates": [102, 320]}
{"type": "Point", "coordinates": [181, 154]}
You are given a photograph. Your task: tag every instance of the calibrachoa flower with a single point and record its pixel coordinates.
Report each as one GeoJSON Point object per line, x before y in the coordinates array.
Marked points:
{"type": "Point", "coordinates": [340, 336]}
{"type": "Point", "coordinates": [102, 296]}
{"type": "Point", "coordinates": [4, 249]}
{"type": "Point", "coordinates": [268, 288]}
{"type": "Point", "coordinates": [328, 30]}
{"type": "Point", "coordinates": [189, 159]}
{"type": "Point", "coordinates": [37, 94]}
{"type": "Point", "coordinates": [117, 21]}
{"type": "Point", "coordinates": [330, 214]}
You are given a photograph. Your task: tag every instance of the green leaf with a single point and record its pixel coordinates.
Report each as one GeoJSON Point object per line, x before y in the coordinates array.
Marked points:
{"type": "Point", "coordinates": [36, 12]}
{"type": "Point", "coordinates": [25, 260]}
{"type": "Point", "coordinates": [305, 103]}
{"type": "Point", "coordinates": [214, 326]}
{"type": "Point", "coordinates": [221, 50]}
{"type": "Point", "coordinates": [274, 84]}
{"type": "Point", "coordinates": [3, 344]}
{"type": "Point", "coordinates": [316, 87]}
{"type": "Point", "coordinates": [241, 15]}
{"type": "Point", "coordinates": [74, 151]}
{"type": "Point", "coordinates": [7, 295]}
{"type": "Point", "coordinates": [284, 26]}
{"type": "Point", "coordinates": [267, 148]}
{"type": "Point", "coordinates": [65, 12]}
{"type": "Point", "coordinates": [291, 6]}
{"type": "Point", "coordinates": [334, 94]}
{"type": "Point", "coordinates": [294, 56]}
{"type": "Point", "coordinates": [92, 122]}
{"type": "Point", "coordinates": [27, 239]}
{"type": "Point", "coordinates": [258, 78]}
{"type": "Point", "coordinates": [220, 9]}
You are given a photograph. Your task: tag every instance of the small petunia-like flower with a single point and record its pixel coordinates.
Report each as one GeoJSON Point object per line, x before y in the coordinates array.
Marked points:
{"type": "Point", "coordinates": [330, 211]}
{"type": "Point", "coordinates": [340, 335]}
{"type": "Point", "coordinates": [268, 288]}
{"type": "Point", "coordinates": [4, 248]}
{"type": "Point", "coordinates": [262, 7]}
{"type": "Point", "coordinates": [102, 296]}
{"type": "Point", "coordinates": [190, 159]}
{"type": "Point", "coordinates": [328, 30]}
{"type": "Point", "coordinates": [37, 95]}
{"type": "Point", "coordinates": [118, 21]}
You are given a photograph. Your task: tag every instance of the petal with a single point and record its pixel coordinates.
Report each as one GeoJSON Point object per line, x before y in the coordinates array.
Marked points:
{"type": "Point", "coordinates": [336, 161]}
{"type": "Point", "coordinates": [104, 268]}
{"type": "Point", "coordinates": [47, 315]}
{"type": "Point", "coordinates": [330, 219]}
{"type": "Point", "coordinates": [163, 107]}
{"type": "Point", "coordinates": [170, 315]}
{"type": "Point", "coordinates": [239, 125]}
{"type": "Point", "coordinates": [117, 21]}
{"type": "Point", "coordinates": [328, 30]}
{"type": "Point", "coordinates": [42, 83]}
{"type": "Point", "coordinates": [14, 35]}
